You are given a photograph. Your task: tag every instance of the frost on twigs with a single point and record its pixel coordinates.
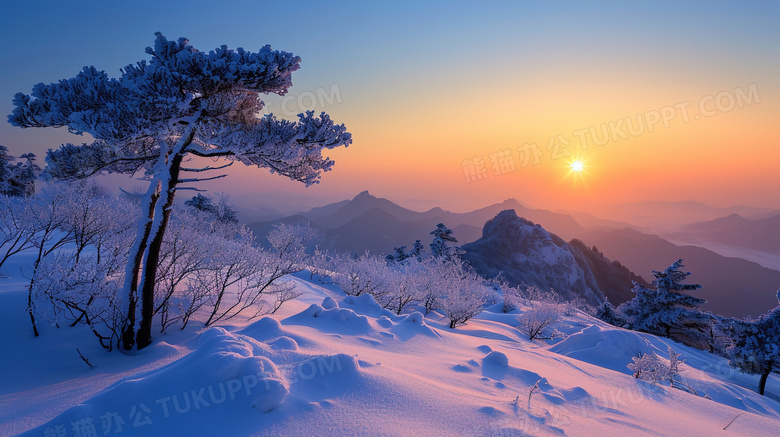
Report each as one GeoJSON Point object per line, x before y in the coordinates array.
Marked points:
{"type": "Point", "coordinates": [535, 321]}
{"type": "Point", "coordinates": [649, 367]}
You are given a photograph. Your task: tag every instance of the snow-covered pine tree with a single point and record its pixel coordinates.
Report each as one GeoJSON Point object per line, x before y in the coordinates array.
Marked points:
{"type": "Point", "coordinates": [399, 256]}
{"type": "Point", "coordinates": [180, 103]}
{"type": "Point", "coordinates": [417, 250]}
{"type": "Point", "coordinates": [222, 210]}
{"type": "Point", "coordinates": [202, 203]}
{"type": "Point", "coordinates": [667, 310]}
{"type": "Point", "coordinates": [17, 179]}
{"type": "Point", "coordinates": [755, 346]}
{"type": "Point", "coordinates": [400, 253]}
{"type": "Point", "coordinates": [440, 248]}
{"type": "Point", "coordinates": [607, 312]}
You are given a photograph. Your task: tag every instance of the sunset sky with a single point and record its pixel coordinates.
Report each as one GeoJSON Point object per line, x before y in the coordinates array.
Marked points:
{"type": "Point", "coordinates": [432, 92]}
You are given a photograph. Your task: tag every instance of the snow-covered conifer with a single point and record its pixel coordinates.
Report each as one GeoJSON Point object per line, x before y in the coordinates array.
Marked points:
{"type": "Point", "coordinates": [202, 203]}
{"type": "Point", "coordinates": [607, 312]}
{"type": "Point", "coordinates": [181, 102]}
{"type": "Point", "coordinates": [440, 247]}
{"type": "Point", "coordinates": [755, 346]}
{"type": "Point", "coordinates": [417, 250]}
{"type": "Point", "coordinates": [399, 255]}
{"type": "Point", "coordinates": [17, 179]}
{"type": "Point", "coordinates": [667, 310]}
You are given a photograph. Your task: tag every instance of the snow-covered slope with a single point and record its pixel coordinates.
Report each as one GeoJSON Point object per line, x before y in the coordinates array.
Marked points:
{"type": "Point", "coordinates": [343, 366]}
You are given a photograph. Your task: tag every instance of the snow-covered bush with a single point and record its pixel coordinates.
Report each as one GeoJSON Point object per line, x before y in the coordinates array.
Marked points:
{"type": "Point", "coordinates": [70, 290]}
{"type": "Point", "coordinates": [511, 296]}
{"type": "Point", "coordinates": [289, 242]}
{"type": "Point", "coordinates": [191, 244]}
{"type": "Point", "coordinates": [576, 305]}
{"type": "Point", "coordinates": [648, 367]}
{"type": "Point", "coordinates": [365, 275]}
{"type": "Point", "coordinates": [534, 294]}
{"type": "Point", "coordinates": [537, 319]}
{"type": "Point", "coordinates": [463, 292]}
{"type": "Point", "coordinates": [321, 264]}
{"type": "Point", "coordinates": [651, 368]}
{"type": "Point", "coordinates": [405, 279]}
{"type": "Point", "coordinates": [92, 215]}
{"type": "Point", "coordinates": [237, 276]}
{"type": "Point", "coordinates": [430, 281]}
{"type": "Point", "coordinates": [206, 265]}
{"type": "Point", "coordinates": [15, 235]}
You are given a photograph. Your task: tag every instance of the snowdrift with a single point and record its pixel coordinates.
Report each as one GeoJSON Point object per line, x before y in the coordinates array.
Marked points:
{"type": "Point", "coordinates": [342, 365]}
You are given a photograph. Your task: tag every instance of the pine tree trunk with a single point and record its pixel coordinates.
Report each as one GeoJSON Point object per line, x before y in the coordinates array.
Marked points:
{"type": "Point", "coordinates": [159, 214]}
{"type": "Point", "coordinates": [128, 334]}
{"type": "Point", "coordinates": [762, 381]}
{"type": "Point", "coordinates": [144, 335]}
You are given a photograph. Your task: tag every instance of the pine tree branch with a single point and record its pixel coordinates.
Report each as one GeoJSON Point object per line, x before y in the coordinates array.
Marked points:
{"type": "Point", "coordinates": [183, 181]}
{"type": "Point", "coordinates": [207, 168]}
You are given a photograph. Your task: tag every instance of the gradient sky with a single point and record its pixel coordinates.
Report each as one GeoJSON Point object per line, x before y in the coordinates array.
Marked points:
{"type": "Point", "coordinates": [425, 88]}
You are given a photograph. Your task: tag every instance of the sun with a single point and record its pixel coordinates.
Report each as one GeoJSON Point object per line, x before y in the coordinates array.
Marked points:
{"type": "Point", "coordinates": [578, 171]}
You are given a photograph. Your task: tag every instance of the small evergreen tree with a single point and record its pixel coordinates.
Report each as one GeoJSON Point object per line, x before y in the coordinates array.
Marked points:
{"type": "Point", "coordinates": [756, 346]}
{"type": "Point", "coordinates": [17, 179]}
{"type": "Point", "coordinates": [202, 203]}
{"type": "Point", "coordinates": [417, 250]}
{"type": "Point", "coordinates": [442, 235]}
{"type": "Point", "coordinates": [658, 311]}
{"type": "Point", "coordinates": [222, 210]}
{"type": "Point", "coordinates": [400, 253]}
{"type": "Point", "coordinates": [607, 312]}
{"type": "Point", "coordinates": [398, 256]}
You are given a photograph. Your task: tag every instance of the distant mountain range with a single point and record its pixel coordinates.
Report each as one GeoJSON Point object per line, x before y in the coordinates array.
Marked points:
{"type": "Point", "coordinates": [762, 234]}
{"type": "Point", "coordinates": [344, 224]}
{"type": "Point", "coordinates": [733, 286]}
{"type": "Point", "coordinates": [658, 215]}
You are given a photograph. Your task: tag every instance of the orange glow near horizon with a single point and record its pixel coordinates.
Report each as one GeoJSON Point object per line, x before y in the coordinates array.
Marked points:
{"type": "Point", "coordinates": [482, 104]}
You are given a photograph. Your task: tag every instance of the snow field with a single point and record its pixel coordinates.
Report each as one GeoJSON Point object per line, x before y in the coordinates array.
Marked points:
{"type": "Point", "coordinates": [342, 365]}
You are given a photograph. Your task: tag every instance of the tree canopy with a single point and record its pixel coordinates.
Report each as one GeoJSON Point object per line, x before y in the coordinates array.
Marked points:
{"type": "Point", "coordinates": [157, 114]}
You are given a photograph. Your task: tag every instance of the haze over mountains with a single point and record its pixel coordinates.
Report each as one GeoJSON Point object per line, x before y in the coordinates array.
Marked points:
{"type": "Point", "coordinates": [663, 216]}
{"type": "Point", "coordinates": [734, 287]}
{"type": "Point", "coordinates": [761, 234]}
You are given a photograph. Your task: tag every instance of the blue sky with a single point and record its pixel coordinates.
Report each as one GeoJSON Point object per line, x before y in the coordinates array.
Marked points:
{"type": "Point", "coordinates": [403, 69]}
